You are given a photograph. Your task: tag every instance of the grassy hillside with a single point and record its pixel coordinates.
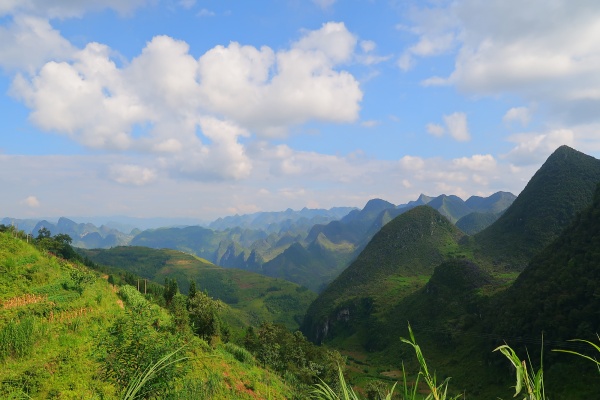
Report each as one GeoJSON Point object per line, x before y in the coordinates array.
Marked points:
{"type": "Point", "coordinates": [397, 261]}
{"type": "Point", "coordinates": [66, 333]}
{"type": "Point", "coordinates": [563, 186]}
{"type": "Point", "coordinates": [258, 298]}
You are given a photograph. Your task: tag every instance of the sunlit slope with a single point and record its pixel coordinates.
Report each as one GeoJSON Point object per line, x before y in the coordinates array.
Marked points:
{"type": "Point", "coordinates": [258, 297]}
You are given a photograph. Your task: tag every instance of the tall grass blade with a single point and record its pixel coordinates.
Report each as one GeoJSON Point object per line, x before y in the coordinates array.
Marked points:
{"type": "Point", "coordinates": [137, 384]}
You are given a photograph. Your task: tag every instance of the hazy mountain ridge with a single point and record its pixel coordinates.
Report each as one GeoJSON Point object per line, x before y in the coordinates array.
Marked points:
{"type": "Point", "coordinates": [276, 221]}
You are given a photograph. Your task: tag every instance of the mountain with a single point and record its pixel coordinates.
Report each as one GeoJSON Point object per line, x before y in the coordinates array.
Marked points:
{"type": "Point", "coordinates": [451, 207]}
{"type": "Point", "coordinates": [461, 299]}
{"type": "Point", "coordinates": [475, 222]}
{"type": "Point", "coordinates": [558, 291]}
{"type": "Point", "coordinates": [84, 235]}
{"type": "Point", "coordinates": [397, 261]}
{"type": "Point", "coordinates": [496, 203]}
{"type": "Point", "coordinates": [276, 221]}
{"type": "Point", "coordinates": [563, 186]}
{"type": "Point", "coordinates": [258, 297]}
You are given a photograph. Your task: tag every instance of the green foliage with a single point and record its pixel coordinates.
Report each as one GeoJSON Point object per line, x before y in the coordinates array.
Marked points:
{"type": "Point", "coordinates": [526, 378]}
{"type": "Point", "coordinates": [291, 354]}
{"type": "Point", "coordinates": [171, 289]}
{"type": "Point", "coordinates": [204, 316]}
{"type": "Point", "coordinates": [412, 244]}
{"type": "Point", "coordinates": [585, 356]}
{"type": "Point", "coordinates": [17, 338]}
{"type": "Point", "coordinates": [133, 347]}
{"type": "Point", "coordinates": [246, 292]}
{"type": "Point", "coordinates": [141, 381]}
{"type": "Point", "coordinates": [240, 353]}
{"type": "Point", "coordinates": [438, 391]}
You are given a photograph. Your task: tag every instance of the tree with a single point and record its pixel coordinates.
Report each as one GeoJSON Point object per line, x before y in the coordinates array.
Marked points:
{"type": "Point", "coordinates": [171, 289]}
{"type": "Point", "coordinates": [191, 293]}
{"type": "Point", "coordinates": [204, 316]}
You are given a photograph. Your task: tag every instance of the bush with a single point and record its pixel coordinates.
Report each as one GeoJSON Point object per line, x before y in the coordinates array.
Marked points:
{"type": "Point", "coordinates": [17, 338]}
{"type": "Point", "coordinates": [240, 354]}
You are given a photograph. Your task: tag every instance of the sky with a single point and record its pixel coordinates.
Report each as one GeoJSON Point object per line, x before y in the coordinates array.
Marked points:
{"type": "Point", "coordinates": [202, 108]}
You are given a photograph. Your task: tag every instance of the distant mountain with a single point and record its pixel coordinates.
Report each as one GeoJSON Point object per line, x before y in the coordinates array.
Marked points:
{"type": "Point", "coordinates": [475, 222]}
{"type": "Point", "coordinates": [284, 220]}
{"type": "Point", "coordinates": [495, 203]}
{"type": "Point", "coordinates": [563, 186]}
{"type": "Point", "coordinates": [451, 207]}
{"type": "Point", "coordinates": [84, 235]}
{"type": "Point", "coordinates": [258, 298]}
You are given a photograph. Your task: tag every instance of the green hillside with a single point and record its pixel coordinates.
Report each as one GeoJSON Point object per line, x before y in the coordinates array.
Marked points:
{"type": "Point", "coordinates": [558, 292]}
{"type": "Point", "coordinates": [398, 260]}
{"type": "Point", "coordinates": [258, 298]}
{"type": "Point", "coordinates": [457, 291]}
{"type": "Point", "coordinates": [475, 222]}
{"type": "Point", "coordinates": [66, 333]}
{"type": "Point", "coordinates": [563, 186]}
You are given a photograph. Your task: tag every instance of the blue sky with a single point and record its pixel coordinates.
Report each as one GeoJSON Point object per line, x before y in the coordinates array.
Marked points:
{"type": "Point", "coordinates": [202, 109]}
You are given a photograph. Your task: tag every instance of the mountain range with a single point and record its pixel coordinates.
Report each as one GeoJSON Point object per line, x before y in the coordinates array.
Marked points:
{"type": "Point", "coordinates": [465, 294]}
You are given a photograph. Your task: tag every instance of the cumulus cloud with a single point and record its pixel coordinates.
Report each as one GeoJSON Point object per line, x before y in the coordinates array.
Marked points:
{"type": "Point", "coordinates": [31, 201]}
{"type": "Point", "coordinates": [192, 112]}
{"type": "Point", "coordinates": [455, 125]}
{"type": "Point", "coordinates": [477, 162]}
{"type": "Point", "coordinates": [545, 53]}
{"type": "Point", "coordinates": [435, 129]}
{"type": "Point", "coordinates": [437, 32]}
{"type": "Point", "coordinates": [518, 114]}
{"type": "Point", "coordinates": [132, 174]}
{"type": "Point", "coordinates": [412, 163]}
{"type": "Point", "coordinates": [29, 42]}
{"type": "Point", "coordinates": [534, 148]}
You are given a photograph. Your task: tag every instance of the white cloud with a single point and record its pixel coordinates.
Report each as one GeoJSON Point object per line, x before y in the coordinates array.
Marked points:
{"type": "Point", "coordinates": [477, 162]}
{"type": "Point", "coordinates": [367, 46]}
{"type": "Point", "coordinates": [437, 33]}
{"type": "Point", "coordinates": [412, 163]}
{"type": "Point", "coordinates": [29, 42]}
{"type": "Point", "coordinates": [534, 148]}
{"type": "Point", "coordinates": [435, 129]}
{"type": "Point", "coordinates": [546, 53]}
{"type": "Point", "coordinates": [456, 124]}
{"type": "Point", "coordinates": [132, 174]}
{"type": "Point", "coordinates": [267, 92]}
{"type": "Point", "coordinates": [31, 201]}
{"type": "Point", "coordinates": [519, 114]}
{"type": "Point", "coordinates": [192, 112]}
{"type": "Point", "coordinates": [333, 40]}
